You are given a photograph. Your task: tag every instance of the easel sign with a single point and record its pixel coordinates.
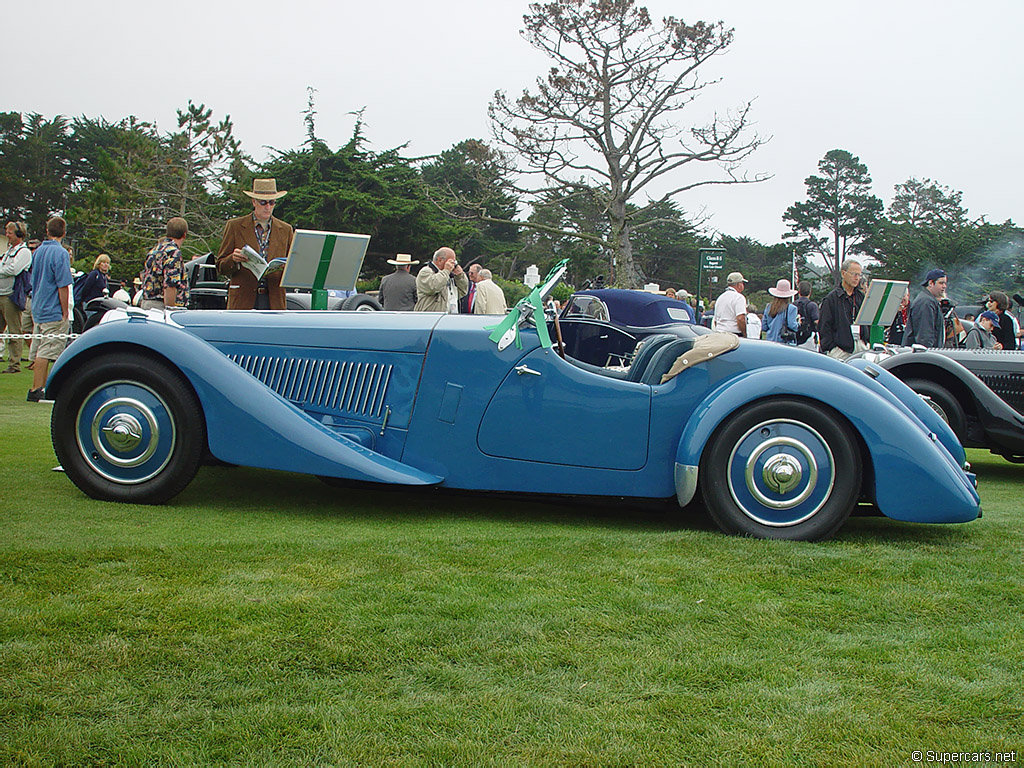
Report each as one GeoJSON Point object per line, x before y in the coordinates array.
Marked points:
{"type": "Point", "coordinates": [319, 261]}
{"type": "Point", "coordinates": [881, 303]}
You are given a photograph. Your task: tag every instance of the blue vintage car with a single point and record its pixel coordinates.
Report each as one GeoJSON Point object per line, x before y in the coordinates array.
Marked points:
{"type": "Point", "coordinates": [779, 442]}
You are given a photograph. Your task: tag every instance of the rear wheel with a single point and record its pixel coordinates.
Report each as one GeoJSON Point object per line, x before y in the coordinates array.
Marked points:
{"type": "Point", "coordinates": [781, 469]}
{"type": "Point", "coordinates": [128, 428]}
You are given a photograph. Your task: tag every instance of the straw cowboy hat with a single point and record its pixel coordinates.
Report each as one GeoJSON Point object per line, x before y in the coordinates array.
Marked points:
{"type": "Point", "coordinates": [783, 289]}
{"type": "Point", "coordinates": [264, 189]}
{"type": "Point", "coordinates": [403, 260]}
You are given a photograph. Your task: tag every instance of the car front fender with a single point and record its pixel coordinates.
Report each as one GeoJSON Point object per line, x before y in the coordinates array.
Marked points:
{"type": "Point", "coordinates": [913, 477]}
{"type": "Point", "coordinates": [246, 423]}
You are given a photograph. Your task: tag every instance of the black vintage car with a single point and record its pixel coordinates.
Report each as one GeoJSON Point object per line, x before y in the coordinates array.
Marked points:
{"type": "Point", "coordinates": [980, 393]}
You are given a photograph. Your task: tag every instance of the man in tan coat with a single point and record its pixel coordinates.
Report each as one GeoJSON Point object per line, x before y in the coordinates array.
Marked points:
{"type": "Point", "coordinates": [265, 234]}
{"type": "Point", "coordinates": [490, 299]}
{"type": "Point", "coordinates": [441, 283]}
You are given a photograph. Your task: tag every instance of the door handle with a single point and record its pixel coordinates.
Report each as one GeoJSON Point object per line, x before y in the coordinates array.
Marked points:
{"type": "Point", "coordinates": [521, 369]}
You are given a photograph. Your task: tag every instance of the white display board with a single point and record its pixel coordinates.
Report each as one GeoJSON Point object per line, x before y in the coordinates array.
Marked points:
{"type": "Point", "coordinates": [327, 260]}
{"type": "Point", "coordinates": [881, 302]}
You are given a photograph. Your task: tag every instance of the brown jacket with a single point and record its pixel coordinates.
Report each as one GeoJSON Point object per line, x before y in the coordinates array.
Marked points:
{"type": "Point", "coordinates": [243, 285]}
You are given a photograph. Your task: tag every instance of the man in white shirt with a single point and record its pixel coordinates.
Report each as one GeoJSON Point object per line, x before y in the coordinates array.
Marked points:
{"type": "Point", "coordinates": [731, 307]}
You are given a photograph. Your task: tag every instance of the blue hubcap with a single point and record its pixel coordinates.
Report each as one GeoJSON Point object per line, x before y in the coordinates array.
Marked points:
{"type": "Point", "coordinates": [125, 432]}
{"type": "Point", "coordinates": [781, 473]}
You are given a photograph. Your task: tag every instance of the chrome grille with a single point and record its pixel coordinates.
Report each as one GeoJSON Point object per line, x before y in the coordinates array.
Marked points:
{"type": "Point", "coordinates": [332, 385]}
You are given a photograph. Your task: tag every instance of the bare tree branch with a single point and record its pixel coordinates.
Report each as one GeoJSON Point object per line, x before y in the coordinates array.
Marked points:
{"type": "Point", "coordinates": [604, 115]}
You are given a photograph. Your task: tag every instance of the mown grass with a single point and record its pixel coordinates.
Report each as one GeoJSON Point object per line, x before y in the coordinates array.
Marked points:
{"type": "Point", "coordinates": [265, 618]}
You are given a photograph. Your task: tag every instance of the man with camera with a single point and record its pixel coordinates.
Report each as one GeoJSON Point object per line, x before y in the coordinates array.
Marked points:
{"type": "Point", "coordinates": [441, 283]}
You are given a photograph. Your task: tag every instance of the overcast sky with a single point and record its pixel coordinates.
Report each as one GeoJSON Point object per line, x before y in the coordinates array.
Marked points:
{"type": "Point", "coordinates": [915, 89]}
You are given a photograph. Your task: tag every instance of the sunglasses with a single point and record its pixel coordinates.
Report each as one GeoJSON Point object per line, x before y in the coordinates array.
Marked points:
{"type": "Point", "coordinates": [267, 202]}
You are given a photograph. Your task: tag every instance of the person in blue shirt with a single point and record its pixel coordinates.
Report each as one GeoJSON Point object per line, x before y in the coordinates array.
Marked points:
{"type": "Point", "coordinates": [781, 314]}
{"type": "Point", "coordinates": [51, 283]}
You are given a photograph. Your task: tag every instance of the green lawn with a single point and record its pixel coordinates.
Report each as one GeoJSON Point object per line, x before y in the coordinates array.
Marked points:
{"type": "Point", "coordinates": [264, 618]}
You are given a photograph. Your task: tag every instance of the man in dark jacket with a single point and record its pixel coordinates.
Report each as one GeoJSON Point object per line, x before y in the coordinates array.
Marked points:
{"type": "Point", "coordinates": [924, 320]}
{"type": "Point", "coordinates": [838, 310]}
{"type": "Point", "coordinates": [398, 290]}
{"type": "Point", "coordinates": [467, 301]}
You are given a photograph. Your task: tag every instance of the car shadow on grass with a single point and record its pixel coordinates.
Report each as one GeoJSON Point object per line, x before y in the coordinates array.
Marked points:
{"type": "Point", "coordinates": [875, 529]}
{"type": "Point", "coordinates": [247, 489]}
{"type": "Point", "coordinates": [242, 489]}
{"type": "Point", "coordinates": [1001, 471]}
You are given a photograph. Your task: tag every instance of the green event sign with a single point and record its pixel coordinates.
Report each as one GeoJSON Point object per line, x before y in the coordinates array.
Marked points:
{"type": "Point", "coordinates": [712, 258]}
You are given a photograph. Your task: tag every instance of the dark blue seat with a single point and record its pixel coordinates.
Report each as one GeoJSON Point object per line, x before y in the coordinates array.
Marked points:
{"type": "Point", "coordinates": [648, 349]}
{"type": "Point", "coordinates": [663, 359]}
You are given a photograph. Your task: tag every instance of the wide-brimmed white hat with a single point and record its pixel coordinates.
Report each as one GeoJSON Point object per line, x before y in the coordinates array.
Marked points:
{"type": "Point", "coordinates": [403, 260]}
{"type": "Point", "coordinates": [783, 289]}
{"type": "Point", "coordinates": [264, 189]}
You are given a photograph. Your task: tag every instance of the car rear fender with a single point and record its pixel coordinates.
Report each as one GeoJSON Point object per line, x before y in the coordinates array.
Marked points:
{"type": "Point", "coordinates": [917, 406]}
{"type": "Point", "coordinates": [246, 423]}
{"type": "Point", "coordinates": [912, 477]}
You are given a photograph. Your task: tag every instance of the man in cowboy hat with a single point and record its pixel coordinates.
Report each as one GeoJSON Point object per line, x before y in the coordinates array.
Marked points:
{"type": "Point", "coordinates": [398, 290]}
{"type": "Point", "coordinates": [265, 234]}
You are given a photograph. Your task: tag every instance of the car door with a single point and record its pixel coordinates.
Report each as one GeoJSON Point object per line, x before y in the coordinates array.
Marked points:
{"type": "Point", "coordinates": [547, 410]}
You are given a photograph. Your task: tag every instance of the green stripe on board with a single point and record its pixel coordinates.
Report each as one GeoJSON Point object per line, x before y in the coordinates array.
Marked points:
{"type": "Point", "coordinates": [885, 300]}
{"type": "Point", "coordinates": [325, 262]}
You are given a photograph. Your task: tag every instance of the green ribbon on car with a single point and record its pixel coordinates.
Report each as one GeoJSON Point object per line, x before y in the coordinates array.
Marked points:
{"type": "Point", "coordinates": [531, 304]}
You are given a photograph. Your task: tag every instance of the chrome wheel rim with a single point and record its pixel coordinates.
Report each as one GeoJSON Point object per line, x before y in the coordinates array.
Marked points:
{"type": "Point", "coordinates": [781, 472]}
{"type": "Point", "coordinates": [125, 432]}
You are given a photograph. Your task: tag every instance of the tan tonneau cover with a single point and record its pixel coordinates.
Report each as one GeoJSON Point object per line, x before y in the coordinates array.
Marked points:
{"type": "Point", "coordinates": [704, 348]}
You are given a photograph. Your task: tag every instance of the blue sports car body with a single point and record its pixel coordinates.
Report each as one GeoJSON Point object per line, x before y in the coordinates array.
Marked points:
{"type": "Point", "coordinates": [780, 442]}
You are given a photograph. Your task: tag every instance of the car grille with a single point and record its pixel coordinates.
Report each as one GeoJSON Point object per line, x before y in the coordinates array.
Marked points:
{"type": "Point", "coordinates": [1008, 386]}
{"type": "Point", "coordinates": [354, 388]}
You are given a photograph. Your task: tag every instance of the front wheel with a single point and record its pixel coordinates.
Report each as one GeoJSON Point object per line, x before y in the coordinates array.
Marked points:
{"type": "Point", "coordinates": [128, 428]}
{"type": "Point", "coordinates": [781, 469]}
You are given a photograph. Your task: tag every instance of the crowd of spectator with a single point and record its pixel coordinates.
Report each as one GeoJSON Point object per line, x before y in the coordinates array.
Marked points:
{"type": "Point", "coordinates": [792, 317]}
{"type": "Point", "coordinates": [37, 292]}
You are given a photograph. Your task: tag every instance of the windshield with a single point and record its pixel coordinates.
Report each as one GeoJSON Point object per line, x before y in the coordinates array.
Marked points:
{"type": "Point", "coordinates": [529, 309]}
{"type": "Point", "coordinates": [554, 278]}
{"type": "Point", "coordinates": [587, 306]}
